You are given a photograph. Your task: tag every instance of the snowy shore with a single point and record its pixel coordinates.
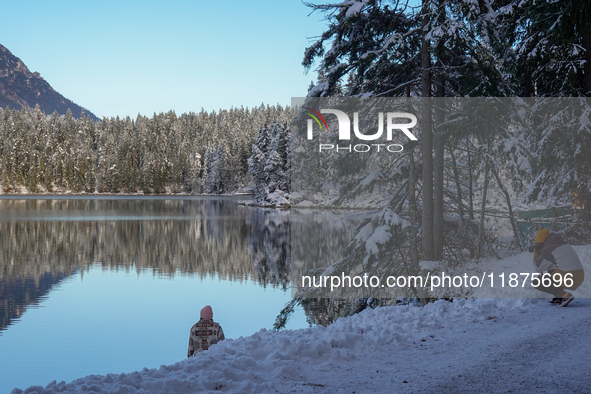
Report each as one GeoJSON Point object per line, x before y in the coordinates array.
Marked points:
{"type": "Point", "coordinates": [482, 345]}
{"type": "Point", "coordinates": [486, 345]}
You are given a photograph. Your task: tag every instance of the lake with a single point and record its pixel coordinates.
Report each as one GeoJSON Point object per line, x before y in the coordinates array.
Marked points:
{"type": "Point", "coordinates": [97, 284]}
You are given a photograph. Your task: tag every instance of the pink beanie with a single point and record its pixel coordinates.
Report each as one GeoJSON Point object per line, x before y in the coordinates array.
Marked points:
{"type": "Point", "coordinates": [207, 313]}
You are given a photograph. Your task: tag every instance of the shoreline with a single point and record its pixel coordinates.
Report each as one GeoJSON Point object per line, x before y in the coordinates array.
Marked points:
{"type": "Point", "coordinates": [387, 349]}
{"type": "Point", "coordinates": [109, 196]}
{"type": "Point", "coordinates": [245, 199]}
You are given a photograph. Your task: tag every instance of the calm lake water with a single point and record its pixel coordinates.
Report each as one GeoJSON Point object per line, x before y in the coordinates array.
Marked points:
{"type": "Point", "coordinates": [100, 285]}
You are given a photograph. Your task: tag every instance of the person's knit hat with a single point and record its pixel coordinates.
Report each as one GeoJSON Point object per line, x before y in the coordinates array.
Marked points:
{"type": "Point", "coordinates": [542, 235]}
{"type": "Point", "coordinates": [206, 313]}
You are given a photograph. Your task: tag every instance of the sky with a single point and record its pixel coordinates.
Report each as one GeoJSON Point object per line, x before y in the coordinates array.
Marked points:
{"type": "Point", "coordinates": [124, 58]}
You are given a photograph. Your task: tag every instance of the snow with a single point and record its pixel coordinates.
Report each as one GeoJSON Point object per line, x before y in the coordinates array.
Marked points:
{"type": "Point", "coordinates": [373, 235]}
{"type": "Point", "coordinates": [373, 176]}
{"type": "Point", "coordinates": [380, 236]}
{"type": "Point", "coordinates": [278, 198]}
{"type": "Point", "coordinates": [428, 265]}
{"type": "Point", "coordinates": [355, 8]}
{"type": "Point", "coordinates": [468, 345]}
{"type": "Point", "coordinates": [319, 89]}
{"type": "Point", "coordinates": [364, 233]}
{"type": "Point", "coordinates": [305, 204]}
{"type": "Point", "coordinates": [392, 219]}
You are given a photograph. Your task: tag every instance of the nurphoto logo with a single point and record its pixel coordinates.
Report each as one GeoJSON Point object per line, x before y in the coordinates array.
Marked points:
{"type": "Point", "coordinates": [344, 131]}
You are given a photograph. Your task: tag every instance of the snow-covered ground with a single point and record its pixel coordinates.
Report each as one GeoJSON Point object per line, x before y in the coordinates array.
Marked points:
{"type": "Point", "coordinates": [470, 345]}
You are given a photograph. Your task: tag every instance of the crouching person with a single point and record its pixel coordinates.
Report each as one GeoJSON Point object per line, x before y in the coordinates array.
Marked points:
{"type": "Point", "coordinates": [204, 333]}
{"type": "Point", "coordinates": [553, 254]}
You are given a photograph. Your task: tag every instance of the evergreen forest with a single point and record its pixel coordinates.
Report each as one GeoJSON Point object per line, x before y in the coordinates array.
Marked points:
{"type": "Point", "coordinates": [194, 153]}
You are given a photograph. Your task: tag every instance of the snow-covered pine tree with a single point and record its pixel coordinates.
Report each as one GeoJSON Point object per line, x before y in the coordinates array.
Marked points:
{"type": "Point", "coordinates": [269, 164]}
{"type": "Point", "coordinates": [386, 48]}
{"type": "Point", "coordinates": [548, 54]}
{"type": "Point", "coordinates": [216, 179]}
{"type": "Point", "coordinates": [548, 46]}
{"type": "Point", "coordinates": [257, 161]}
{"type": "Point", "coordinates": [277, 164]}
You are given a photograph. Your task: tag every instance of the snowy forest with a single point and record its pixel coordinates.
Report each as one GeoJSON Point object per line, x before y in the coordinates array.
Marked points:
{"type": "Point", "coordinates": [533, 49]}
{"type": "Point", "coordinates": [194, 153]}
{"type": "Point", "coordinates": [448, 189]}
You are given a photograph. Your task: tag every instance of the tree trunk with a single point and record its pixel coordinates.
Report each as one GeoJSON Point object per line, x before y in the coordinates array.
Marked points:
{"type": "Point", "coordinates": [470, 186]}
{"type": "Point", "coordinates": [458, 185]}
{"type": "Point", "coordinates": [585, 195]}
{"type": "Point", "coordinates": [509, 207]}
{"type": "Point", "coordinates": [483, 210]}
{"type": "Point", "coordinates": [412, 206]}
{"type": "Point", "coordinates": [438, 173]}
{"type": "Point", "coordinates": [587, 45]}
{"type": "Point", "coordinates": [426, 139]}
{"type": "Point", "coordinates": [483, 206]}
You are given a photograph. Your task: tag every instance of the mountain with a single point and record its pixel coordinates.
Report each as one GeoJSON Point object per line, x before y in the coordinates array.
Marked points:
{"type": "Point", "coordinates": [18, 294]}
{"type": "Point", "coordinates": [19, 87]}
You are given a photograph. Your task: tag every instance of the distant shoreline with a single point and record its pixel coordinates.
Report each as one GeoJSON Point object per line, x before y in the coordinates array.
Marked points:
{"type": "Point", "coordinates": [106, 196]}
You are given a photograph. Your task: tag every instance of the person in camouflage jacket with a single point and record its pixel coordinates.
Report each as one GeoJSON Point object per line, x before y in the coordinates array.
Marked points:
{"type": "Point", "coordinates": [204, 333]}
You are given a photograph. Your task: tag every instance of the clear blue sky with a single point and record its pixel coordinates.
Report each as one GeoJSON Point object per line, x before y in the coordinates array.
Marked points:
{"type": "Point", "coordinates": [121, 58]}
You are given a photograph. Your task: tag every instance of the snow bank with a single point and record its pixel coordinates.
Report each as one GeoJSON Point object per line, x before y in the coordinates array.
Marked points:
{"type": "Point", "coordinates": [264, 361]}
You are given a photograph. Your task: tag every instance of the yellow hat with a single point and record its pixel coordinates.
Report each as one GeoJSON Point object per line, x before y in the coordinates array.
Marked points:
{"type": "Point", "coordinates": [542, 235]}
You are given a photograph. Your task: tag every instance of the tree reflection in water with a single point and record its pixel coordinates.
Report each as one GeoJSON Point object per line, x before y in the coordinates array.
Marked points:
{"type": "Point", "coordinates": [43, 241]}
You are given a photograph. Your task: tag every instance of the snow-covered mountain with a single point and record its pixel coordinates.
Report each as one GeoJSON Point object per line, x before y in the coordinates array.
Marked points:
{"type": "Point", "coordinates": [19, 87]}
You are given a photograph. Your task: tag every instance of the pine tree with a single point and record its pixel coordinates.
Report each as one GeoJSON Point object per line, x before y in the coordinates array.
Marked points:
{"type": "Point", "coordinates": [550, 46]}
